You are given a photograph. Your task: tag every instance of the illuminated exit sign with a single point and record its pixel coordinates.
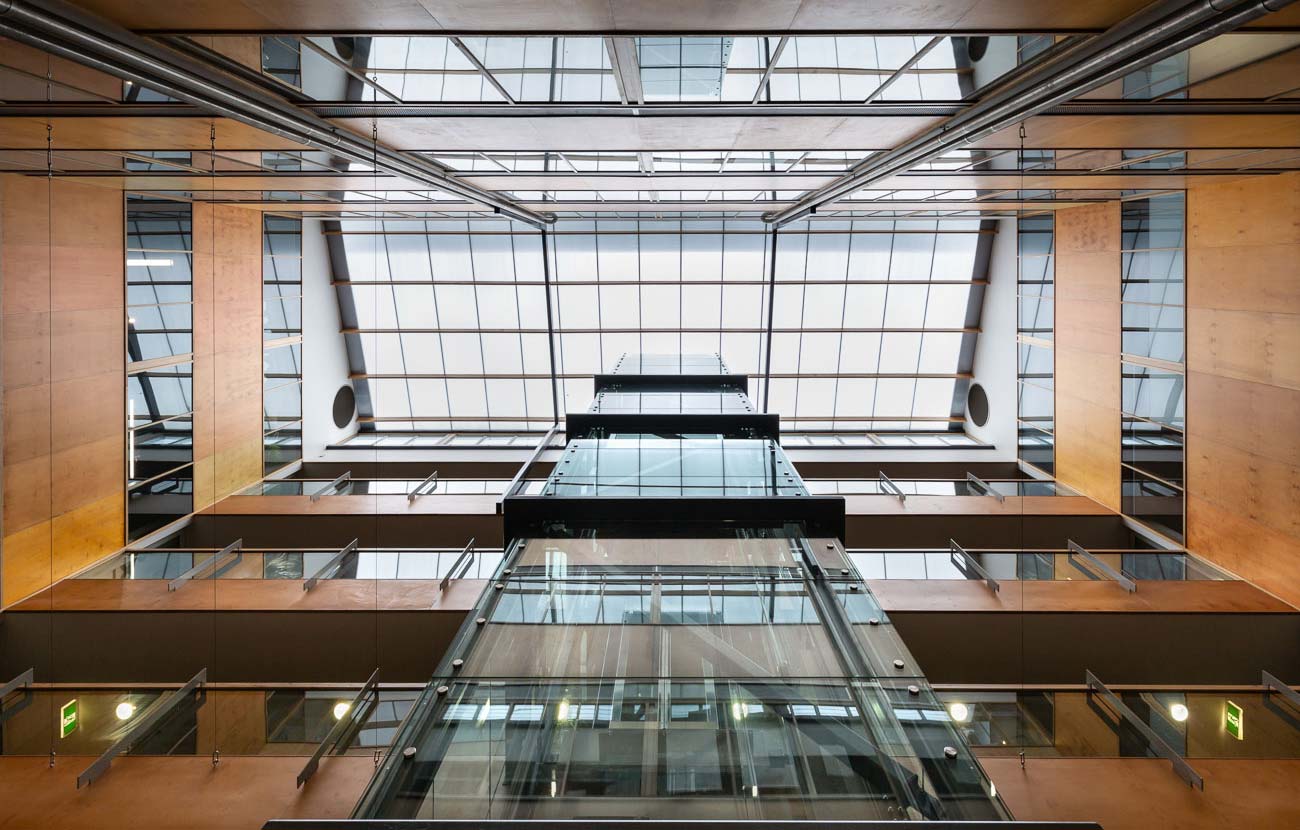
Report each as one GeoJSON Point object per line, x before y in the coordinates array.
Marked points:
{"type": "Point", "coordinates": [1235, 720]}
{"type": "Point", "coordinates": [68, 718]}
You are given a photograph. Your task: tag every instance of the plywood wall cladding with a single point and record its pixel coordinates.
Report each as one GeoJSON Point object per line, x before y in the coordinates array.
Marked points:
{"type": "Point", "coordinates": [61, 264]}
{"type": "Point", "coordinates": [227, 351]}
{"type": "Point", "coordinates": [1087, 351]}
{"type": "Point", "coordinates": [1243, 386]}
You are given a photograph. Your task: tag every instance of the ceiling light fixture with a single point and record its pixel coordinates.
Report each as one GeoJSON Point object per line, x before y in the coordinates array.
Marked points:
{"type": "Point", "coordinates": [124, 710]}
{"type": "Point", "coordinates": [340, 709]}
{"type": "Point", "coordinates": [1178, 711]}
{"type": "Point", "coordinates": [960, 712]}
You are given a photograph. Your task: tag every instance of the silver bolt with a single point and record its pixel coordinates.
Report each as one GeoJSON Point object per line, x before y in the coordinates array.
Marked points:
{"type": "Point", "coordinates": [853, 587]}
{"type": "Point", "coordinates": [409, 752]}
{"type": "Point", "coordinates": [457, 663]}
{"type": "Point", "coordinates": [844, 571]}
{"type": "Point", "coordinates": [481, 620]}
{"type": "Point", "coordinates": [873, 621]}
{"type": "Point", "coordinates": [500, 585]}
{"type": "Point", "coordinates": [913, 690]}
{"type": "Point", "coordinates": [950, 751]}
{"type": "Point", "coordinates": [442, 690]}
{"type": "Point", "coordinates": [898, 664]}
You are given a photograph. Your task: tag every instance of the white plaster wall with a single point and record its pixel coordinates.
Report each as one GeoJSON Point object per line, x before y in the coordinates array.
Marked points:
{"type": "Point", "coordinates": [324, 354]}
{"type": "Point", "coordinates": [995, 350]}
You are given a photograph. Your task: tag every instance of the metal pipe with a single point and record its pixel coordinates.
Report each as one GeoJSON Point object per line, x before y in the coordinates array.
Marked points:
{"type": "Point", "coordinates": [527, 465]}
{"type": "Point", "coordinates": [771, 318]}
{"type": "Point", "coordinates": [70, 34]}
{"type": "Point", "coordinates": [1139, 40]}
{"type": "Point", "coordinates": [550, 328]}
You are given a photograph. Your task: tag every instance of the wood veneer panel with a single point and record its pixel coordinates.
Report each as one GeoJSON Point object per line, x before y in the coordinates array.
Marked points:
{"type": "Point", "coordinates": [64, 386]}
{"type": "Point", "coordinates": [183, 791]}
{"type": "Point", "coordinates": [25, 560]}
{"type": "Point", "coordinates": [1256, 346]}
{"type": "Point", "coordinates": [227, 351]}
{"type": "Point", "coordinates": [1140, 793]}
{"type": "Point", "coordinates": [1087, 351]}
{"type": "Point", "coordinates": [1192, 596]}
{"type": "Point", "coordinates": [1243, 391]}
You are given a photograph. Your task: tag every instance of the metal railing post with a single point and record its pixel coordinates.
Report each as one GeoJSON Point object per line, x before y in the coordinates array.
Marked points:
{"type": "Point", "coordinates": [1271, 683]}
{"type": "Point", "coordinates": [1157, 744]}
{"type": "Point", "coordinates": [467, 551]}
{"type": "Point", "coordinates": [336, 732]}
{"type": "Point", "coordinates": [235, 547]}
{"type": "Point", "coordinates": [527, 465]}
{"type": "Point", "coordinates": [963, 560]}
{"type": "Point", "coordinates": [980, 483]}
{"type": "Point", "coordinates": [333, 487]}
{"type": "Point", "coordinates": [1078, 550]}
{"type": "Point", "coordinates": [419, 488]}
{"type": "Point", "coordinates": [329, 567]}
{"type": "Point", "coordinates": [101, 764]}
{"type": "Point", "coordinates": [887, 484]}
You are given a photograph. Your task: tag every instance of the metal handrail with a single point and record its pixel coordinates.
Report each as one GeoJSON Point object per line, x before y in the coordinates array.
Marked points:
{"type": "Point", "coordinates": [1076, 549]}
{"type": "Point", "coordinates": [22, 682]}
{"type": "Point", "coordinates": [332, 487]}
{"type": "Point", "coordinates": [467, 551]}
{"type": "Point", "coordinates": [329, 567]}
{"type": "Point", "coordinates": [527, 465]}
{"type": "Point", "coordinates": [963, 560]}
{"type": "Point", "coordinates": [1154, 741]}
{"type": "Point", "coordinates": [892, 489]}
{"type": "Point", "coordinates": [236, 546]}
{"type": "Point", "coordinates": [1271, 683]}
{"type": "Point", "coordinates": [26, 679]}
{"type": "Point", "coordinates": [101, 764]}
{"type": "Point", "coordinates": [419, 488]}
{"type": "Point", "coordinates": [971, 478]}
{"type": "Point", "coordinates": [336, 732]}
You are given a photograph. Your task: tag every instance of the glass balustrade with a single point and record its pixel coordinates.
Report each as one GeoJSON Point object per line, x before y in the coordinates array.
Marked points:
{"type": "Point", "coordinates": [381, 563]}
{"type": "Point", "coordinates": [1073, 724]}
{"type": "Point", "coordinates": [1031, 565]}
{"type": "Point", "coordinates": [290, 720]}
{"type": "Point", "coordinates": [386, 487]}
{"type": "Point", "coordinates": [934, 487]}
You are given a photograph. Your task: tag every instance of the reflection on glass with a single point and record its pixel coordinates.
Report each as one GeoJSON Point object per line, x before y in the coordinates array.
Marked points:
{"type": "Point", "coordinates": [160, 371]}
{"type": "Point", "coordinates": [688, 465]}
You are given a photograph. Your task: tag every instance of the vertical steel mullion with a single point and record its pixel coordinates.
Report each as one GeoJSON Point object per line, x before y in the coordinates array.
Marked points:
{"type": "Point", "coordinates": [550, 326]}
{"type": "Point", "coordinates": [771, 309]}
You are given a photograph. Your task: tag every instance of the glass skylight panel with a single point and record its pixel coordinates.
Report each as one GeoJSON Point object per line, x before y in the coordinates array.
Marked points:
{"type": "Point", "coordinates": [465, 330]}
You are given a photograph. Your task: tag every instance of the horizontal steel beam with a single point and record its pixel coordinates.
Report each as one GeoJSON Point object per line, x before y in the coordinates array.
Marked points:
{"type": "Point", "coordinates": [70, 33]}
{"type": "Point", "coordinates": [1159, 30]}
{"type": "Point", "coordinates": [894, 109]}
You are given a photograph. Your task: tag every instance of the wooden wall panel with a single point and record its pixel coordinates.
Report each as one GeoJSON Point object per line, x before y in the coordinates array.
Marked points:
{"type": "Point", "coordinates": [1087, 351]}
{"type": "Point", "coordinates": [1243, 386]}
{"type": "Point", "coordinates": [61, 263]}
{"type": "Point", "coordinates": [227, 351]}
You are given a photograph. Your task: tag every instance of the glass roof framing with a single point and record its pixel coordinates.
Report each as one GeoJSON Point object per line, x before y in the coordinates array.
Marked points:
{"type": "Point", "coordinates": [868, 328]}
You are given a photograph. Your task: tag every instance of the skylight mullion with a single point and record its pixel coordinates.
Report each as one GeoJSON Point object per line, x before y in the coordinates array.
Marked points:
{"type": "Point", "coordinates": [437, 315]}
{"type": "Point", "coordinates": [920, 345]}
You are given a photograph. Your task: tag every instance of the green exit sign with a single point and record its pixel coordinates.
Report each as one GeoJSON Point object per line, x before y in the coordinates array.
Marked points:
{"type": "Point", "coordinates": [1235, 720]}
{"type": "Point", "coordinates": [68, 718]}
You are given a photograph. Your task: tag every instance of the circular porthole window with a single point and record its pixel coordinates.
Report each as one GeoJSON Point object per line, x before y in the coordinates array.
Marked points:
{"type": "Point", "coordinates": [977, 403]}
{"type": "Point", "coordinates": [345, 405]}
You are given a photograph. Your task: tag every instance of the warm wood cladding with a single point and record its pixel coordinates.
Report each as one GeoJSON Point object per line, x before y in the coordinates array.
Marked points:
{"type": "Point", "coordinates": [1087, 351]}
{"type": "Point", "coordinates": [1243, 385]}
{"type": "Point", "coordinates": [227, 351]}
{"type": "Point", "coordinates": [61, 262]}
